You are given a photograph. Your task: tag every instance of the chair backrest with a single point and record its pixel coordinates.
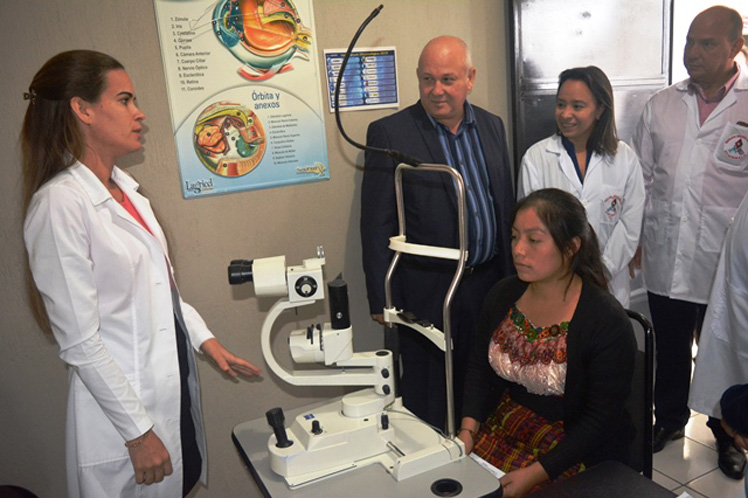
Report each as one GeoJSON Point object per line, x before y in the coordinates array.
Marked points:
{"type": "Point", "coordinates": [639, 403]}
{"type": "Point", "coordinates": [9, 491]}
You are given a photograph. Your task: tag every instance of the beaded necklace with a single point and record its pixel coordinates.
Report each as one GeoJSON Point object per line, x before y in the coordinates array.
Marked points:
{"type": "Point", "coordinates": [530, 331]}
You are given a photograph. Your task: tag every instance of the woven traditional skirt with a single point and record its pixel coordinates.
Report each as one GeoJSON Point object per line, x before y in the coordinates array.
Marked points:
{"type": "Point", "coordinates": [515, 436]}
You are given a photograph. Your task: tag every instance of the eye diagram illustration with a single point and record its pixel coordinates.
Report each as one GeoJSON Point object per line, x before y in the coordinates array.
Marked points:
{"type": "Point", "coordinates": [229, 139]}
{"type": "Point", "coordinates": [263, 34]}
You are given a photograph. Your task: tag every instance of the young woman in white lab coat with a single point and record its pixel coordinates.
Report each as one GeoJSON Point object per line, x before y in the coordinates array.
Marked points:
{"type": "Point", "coordinates": [585, 158]}
{"type": "Point", "coordinates": [100, 264]}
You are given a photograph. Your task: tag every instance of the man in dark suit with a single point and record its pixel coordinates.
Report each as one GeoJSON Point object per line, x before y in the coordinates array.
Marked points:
{"type": "Point", "coordinates": [441, 128]}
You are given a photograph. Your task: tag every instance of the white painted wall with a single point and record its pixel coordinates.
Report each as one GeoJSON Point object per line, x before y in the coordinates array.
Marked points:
{"type": "Point", "coordinates": [683, 13]}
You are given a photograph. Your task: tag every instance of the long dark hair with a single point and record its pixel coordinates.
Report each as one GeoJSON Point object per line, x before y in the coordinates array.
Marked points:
{"type": "Point", "coordinates": [604, 137]}
{"type": "Point", "coordinates": [565, 218]}
{"type": "Point", "coordinates": [50, 137]}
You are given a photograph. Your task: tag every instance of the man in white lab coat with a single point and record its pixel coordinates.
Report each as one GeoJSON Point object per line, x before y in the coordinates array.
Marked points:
{"type": "Point", "coordinates": [722, 360]}
{"type": "Point", "coordinates": [694, 156]}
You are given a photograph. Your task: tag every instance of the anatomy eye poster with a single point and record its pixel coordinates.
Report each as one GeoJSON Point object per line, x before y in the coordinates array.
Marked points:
{"type": "Point", "coordinates": [244, 93]}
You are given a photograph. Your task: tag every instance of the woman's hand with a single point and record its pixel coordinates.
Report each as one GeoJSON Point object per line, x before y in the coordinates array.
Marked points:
{"type": "Point", "coordinates": [467, 439]}
{"type": "Point", "coordinates": [519, 482]}
{"type": "Point", "coordinates": [636, 262]}
{"type": "Point", "coordinates": [739, 440]}
{"type": "Point", "coordinates": [228, 363]}
{"type": "Point", "coordinates": [150, 459]}
{"type": "Point", "coordinates": [466, 433]}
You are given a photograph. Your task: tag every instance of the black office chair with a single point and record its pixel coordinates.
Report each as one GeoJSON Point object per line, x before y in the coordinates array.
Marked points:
{"type": "Point", "coordinates": [639, 403]}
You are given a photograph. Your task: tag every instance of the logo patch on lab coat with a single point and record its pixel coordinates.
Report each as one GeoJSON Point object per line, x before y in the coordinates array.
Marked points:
{"type": "Point", "coordinates": [736, 146]}
{"type": "Point", "coordinates": [732, 148]}
{"type": "Point", "coordinates": [613, 206]}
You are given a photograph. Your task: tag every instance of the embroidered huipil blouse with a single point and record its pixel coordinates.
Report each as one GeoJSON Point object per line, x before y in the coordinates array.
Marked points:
{"type": "Point", "coordinates": [534, 357]}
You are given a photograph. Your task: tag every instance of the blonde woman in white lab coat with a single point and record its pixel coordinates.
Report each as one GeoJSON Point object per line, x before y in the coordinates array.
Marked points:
{"type": "Point", "coordinates": [585, 158]}
{"type": "Point", "coordinates": [99, 261]}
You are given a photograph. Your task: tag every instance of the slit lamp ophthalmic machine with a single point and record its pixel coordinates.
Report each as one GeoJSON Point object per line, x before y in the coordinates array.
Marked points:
{"type": "Point", "coordinates": [369, 426]}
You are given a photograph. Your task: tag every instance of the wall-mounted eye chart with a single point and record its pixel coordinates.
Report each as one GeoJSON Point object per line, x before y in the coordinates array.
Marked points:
{"type": "Point", "coordinates": [369, 80]}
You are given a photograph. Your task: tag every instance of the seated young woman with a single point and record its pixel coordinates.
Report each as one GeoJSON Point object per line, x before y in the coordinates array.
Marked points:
{"type": "Point", "coordinates": [554, 354]}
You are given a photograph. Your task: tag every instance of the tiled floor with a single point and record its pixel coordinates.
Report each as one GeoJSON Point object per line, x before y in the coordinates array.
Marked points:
{"type": "Point", "coordinates": [690, 465]}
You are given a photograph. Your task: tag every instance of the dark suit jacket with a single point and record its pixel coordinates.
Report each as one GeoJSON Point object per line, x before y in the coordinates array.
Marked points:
{"type": "Point", "coordinates": [430, 207]}
{"type": "Point", "coordinates": [420, 284]}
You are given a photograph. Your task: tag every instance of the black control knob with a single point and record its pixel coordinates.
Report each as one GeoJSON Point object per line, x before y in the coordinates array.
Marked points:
{"type": "Point", "coordinates": [277, 421]}
{"type": "Point", "coordinates": [305, 286]}
{"type": "Point", "coordinates": [316, 429]}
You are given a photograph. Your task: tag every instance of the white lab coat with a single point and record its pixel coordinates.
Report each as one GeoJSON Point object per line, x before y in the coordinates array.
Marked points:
{"type": "Point", "coordinates": [722, 360]}
{"type": "Point", "coordinates": [691, 193]}
{"type": "Point", "coordinates": [105, 284]}
{"type": "Point", "coordinates": [612, 195]}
